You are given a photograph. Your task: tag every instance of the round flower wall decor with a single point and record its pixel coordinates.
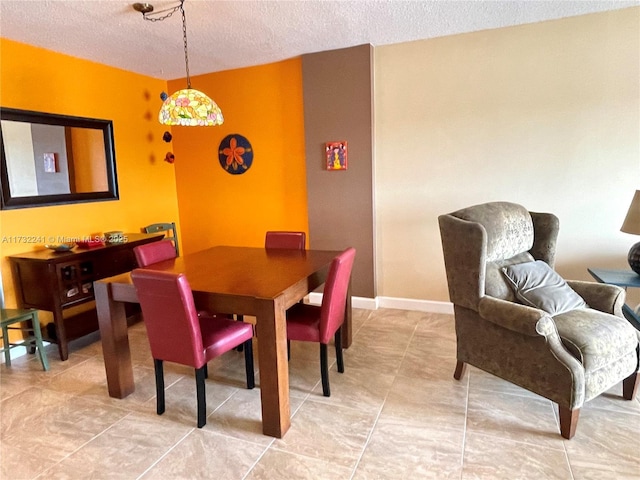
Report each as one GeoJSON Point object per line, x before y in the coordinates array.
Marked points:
{"type": "Point", "coordinates": [235, 154]}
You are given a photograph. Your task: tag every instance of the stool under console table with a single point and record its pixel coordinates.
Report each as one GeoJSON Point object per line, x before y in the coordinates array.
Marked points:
{"type": "Point", "coordinates": [56, 281]}
{"type": "Point", "coordinates": [621, 278]}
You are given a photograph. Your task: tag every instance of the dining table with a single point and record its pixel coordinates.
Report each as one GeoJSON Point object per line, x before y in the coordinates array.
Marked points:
{"type": "Point", "coordinates": [257, 282]}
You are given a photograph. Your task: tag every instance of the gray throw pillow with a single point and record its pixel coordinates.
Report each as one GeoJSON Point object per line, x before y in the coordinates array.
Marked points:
{"type": "Point", "coordinates": [536, 284]}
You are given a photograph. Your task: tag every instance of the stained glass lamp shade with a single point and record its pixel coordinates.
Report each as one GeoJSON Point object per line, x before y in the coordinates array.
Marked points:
{"type": "Point", "coordinates": [190, 108]}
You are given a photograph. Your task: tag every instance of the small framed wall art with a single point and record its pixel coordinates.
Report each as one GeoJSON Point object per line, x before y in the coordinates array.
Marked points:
{"type": "Point", "coordinates": [50, 163]}
{"type": "Point", "coordinates": [336, 155]}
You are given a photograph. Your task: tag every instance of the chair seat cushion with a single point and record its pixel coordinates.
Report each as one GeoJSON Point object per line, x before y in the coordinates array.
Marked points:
{"type": "Point", "coordinates": [537, 285]}
{"type": "Point", "coordinates": [303, 323]}
{"type": "Point", "coordinates": [595, 338]}
{"type": "Point", "coordinates": [222, 335]}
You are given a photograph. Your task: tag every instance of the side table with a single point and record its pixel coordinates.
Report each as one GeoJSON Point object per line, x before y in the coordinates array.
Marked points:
{"type": "Point", "coordinates": [621, 278]}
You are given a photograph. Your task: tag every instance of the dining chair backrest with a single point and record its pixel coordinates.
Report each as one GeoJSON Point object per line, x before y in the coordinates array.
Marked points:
{"type": "Point", "coordinates": [154, 252]}
{"type": "Point", "coordinates": [170, 316]}
{"type": "Point", "coordinates": [280, 239]}
{"type": "Point", "coordinates": [335, 294]}
{"type": "Point", "coordinates": [169, 229]}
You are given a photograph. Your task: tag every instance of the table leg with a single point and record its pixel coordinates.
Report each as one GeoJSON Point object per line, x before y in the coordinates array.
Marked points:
{"type": "Point", "coordinates": [631, 316]}
{"type": "Point", "coordinates": [61, 333]}
{"type": "Point", "coordinates": [112, 321]}
{"type": "Point", "coordinates": [274, 369]}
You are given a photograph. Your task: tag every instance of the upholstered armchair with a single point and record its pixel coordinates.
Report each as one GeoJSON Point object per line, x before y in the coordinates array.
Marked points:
{"type": "Point", "coordinates": [568, 355]}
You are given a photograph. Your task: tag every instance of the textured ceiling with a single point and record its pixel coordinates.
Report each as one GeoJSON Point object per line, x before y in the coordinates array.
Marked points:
{"type": "Point", "coordinates": [232, 34]}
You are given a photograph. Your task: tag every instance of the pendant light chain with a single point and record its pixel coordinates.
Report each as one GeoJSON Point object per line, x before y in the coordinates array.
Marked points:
{"type": "Point", "coordinates": [186, 107]}
{"type": "Point", "coordinates": [168, 12]}
{"type": "Point", "coordinates": [184, 36]}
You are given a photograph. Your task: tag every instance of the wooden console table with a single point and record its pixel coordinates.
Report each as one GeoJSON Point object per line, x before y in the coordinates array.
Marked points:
{"type": "Point", "coordinates": [56, 281]}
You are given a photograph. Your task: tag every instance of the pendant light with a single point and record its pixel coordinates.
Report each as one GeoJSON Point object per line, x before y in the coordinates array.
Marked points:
{"type": "Point", "coordinates": [187, 107]}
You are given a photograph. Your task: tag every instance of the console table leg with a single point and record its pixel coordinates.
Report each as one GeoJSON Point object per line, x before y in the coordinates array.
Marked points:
{"type": "Point", "coordinates": [61, 334]}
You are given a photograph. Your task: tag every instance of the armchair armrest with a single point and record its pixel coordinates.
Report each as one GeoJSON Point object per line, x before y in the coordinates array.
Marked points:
{"type": "Point", "coordinates": [600, 296]}
{"type": "Point", "coordinates": [514, 316]}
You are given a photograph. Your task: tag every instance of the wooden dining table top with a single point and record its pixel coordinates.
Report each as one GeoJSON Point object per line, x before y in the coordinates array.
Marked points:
{"type": "Point", "coordinates": [247, 271]}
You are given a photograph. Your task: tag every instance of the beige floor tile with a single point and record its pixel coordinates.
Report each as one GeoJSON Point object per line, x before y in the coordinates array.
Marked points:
{"type": "Point", "coordinates": [394, 319]}
{"type": "Point", "coordinates": [203, 454]}
{"type": "Point", "coordinates": [126, 450]}
{"type": "Point", "coordinates": [81, 378]}
{"type": "Point", "coordinates": [329, 432]}
{"type": "Point", "coordinates": [514, 417]}
{"type": "Point", "coordinates": [358, 319]}
{"type": "Point", "coordinates": [489, 457]}
{"type": "Point", "coordinates": [358, 388]}
{"type": "Point", "coordinates": [606, 439]}
{"type": "Point", "coordinates": [304, 375]}
{"type": "Point", "coordinates": [433, 404]}
{"type": "Point", "coordinates": [436, 324]}
{"type": "Point", "coordinates": [241, 417]}
{"type": "Point", "coordinates": [586, 470]}
{"type": "Point", "coordinates": [41, 427]}
{"type": "Point", "coordinates": [399, 451]}
{"type": "Point", "coordinates": [278, 465]}
{"type": "Point", "coordinates": [26, 371]}
{"type": "Point", "coordinates": [420, 362]}
{"type": "Point", "coordinates": [383, 358]}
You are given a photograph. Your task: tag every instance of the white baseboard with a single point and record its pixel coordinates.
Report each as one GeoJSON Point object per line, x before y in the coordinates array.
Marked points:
{"type": "Point", "coordinates": [431, 306]}
{"type": "Point", "coordinates": [315, 298]}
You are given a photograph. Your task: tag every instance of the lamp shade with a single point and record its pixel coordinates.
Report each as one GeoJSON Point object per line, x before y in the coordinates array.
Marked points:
{"type": "Point", "coordinates": [632, 221]}
{"type": "Point", "coordinates": [190, 107]}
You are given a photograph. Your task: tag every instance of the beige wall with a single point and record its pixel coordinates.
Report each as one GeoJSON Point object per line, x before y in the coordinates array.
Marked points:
{"type": "Point", "coordinates": [546, 115]}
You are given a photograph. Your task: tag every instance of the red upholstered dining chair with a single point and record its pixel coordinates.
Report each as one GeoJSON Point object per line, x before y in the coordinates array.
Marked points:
{"type": "Point", "coordinates": [154, 252]}
{"type": "Point", "coordinates": [310, 323]}
{"type": "Point", "coordinates": [292, 240]}
{"type": "Point", "coordinates": [169, 230]}
{"type": "Point", "coordinates": [177, 334]}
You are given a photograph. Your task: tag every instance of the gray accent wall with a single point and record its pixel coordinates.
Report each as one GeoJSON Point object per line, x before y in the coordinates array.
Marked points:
{"type": "Point", "coordinates": [338, 105]}
{"type": "Point", "coordinates": [50, 139]}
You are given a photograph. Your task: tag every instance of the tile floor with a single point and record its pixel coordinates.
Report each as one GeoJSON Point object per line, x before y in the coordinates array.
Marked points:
{"type": "Point", "coordinates": [396, 412]}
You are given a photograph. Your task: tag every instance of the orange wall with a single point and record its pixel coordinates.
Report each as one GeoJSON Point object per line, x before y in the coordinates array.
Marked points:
{"type": "Point", "coordinates": [90, 175]}
{"type": "Point", "coordinates": [37, 79]}
{"type": "Point", "coordinates": [264, 104]}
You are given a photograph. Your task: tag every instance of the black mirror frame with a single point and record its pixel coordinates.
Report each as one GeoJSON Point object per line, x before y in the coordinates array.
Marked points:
{"type": "Point", "coordinates": [8, 202]}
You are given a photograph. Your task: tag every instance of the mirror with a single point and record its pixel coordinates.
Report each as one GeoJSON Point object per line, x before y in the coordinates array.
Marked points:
{"type": "Point", "coordinates": [49, 159]}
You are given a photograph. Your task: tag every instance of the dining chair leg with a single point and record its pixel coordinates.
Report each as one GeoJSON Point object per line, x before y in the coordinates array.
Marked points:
{"type": "Point", "coordinates": [202, 399]}
{"type": "Point", "coordinates": [157, 364]}
{"type": "Point", "coordinates": [324, 370]}
{"type": "Point", "coordinates": [239, 318]}
{"type": "Point", "coordinates": [37, 333]}
{"type": "Point", "coordinates": [248, 364]}
{"type": "Point", "coordinates": [339, 358]}
{"type": "Point", "coordinates": [206, 370]}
